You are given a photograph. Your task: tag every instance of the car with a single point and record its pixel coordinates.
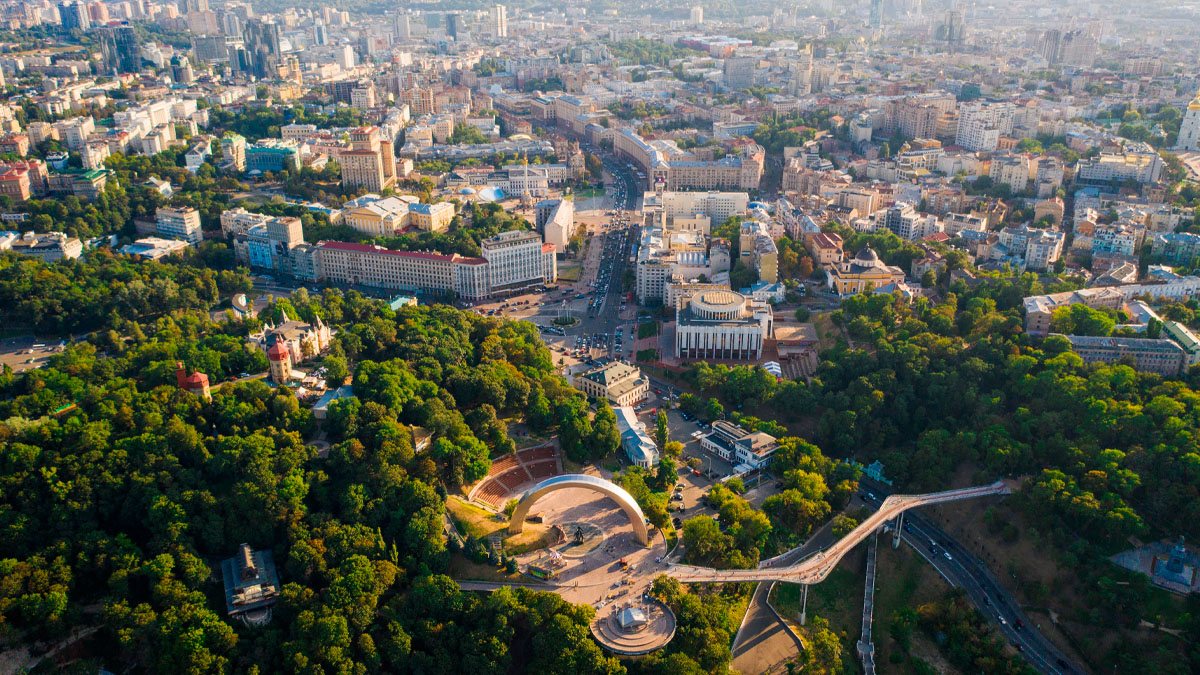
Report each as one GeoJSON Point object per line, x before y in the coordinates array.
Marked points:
{"type": "Point", "coordinates": [695, 472]}
{"type": "Point", "coordinates": [948, 556]}
{"type": "Point", "coordinates": [1002, 620]}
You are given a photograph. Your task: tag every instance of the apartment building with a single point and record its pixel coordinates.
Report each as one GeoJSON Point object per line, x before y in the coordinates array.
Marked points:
{"type": "Point", "coordinates": [183, 223]}
{"type": "Point", "coordinates": [262, 241]}
{"type": "Point", "coordinates": [1039, 248]}
{"type": "Point", "coordinates": [758, 250]}
{"type": "Point", "coordinates": [1137, 162]}
{"type": "Point", "coordinates": [233, 150]}
{"type": "Point", "coordinates": [905, 222]}
{"type": "Point", "coordinates": [1118, 237]}
{"type": "Point", "coordinates": [1148, 355]}
{"type": "Point", "coordinates": [369, 163]}
{"type": "Point", "coordinates": [981, 124]}
{"type": "Point", "coordinates": [1039, 309]}
{"type": "Point", "coordinates": [953, 223]}
{"type": "Point", "coordinates": [15, 181]}
{"type": "Point", "coordinates": [1176, 247]}
{"type": "Point", "coordinates": [1010, 169]}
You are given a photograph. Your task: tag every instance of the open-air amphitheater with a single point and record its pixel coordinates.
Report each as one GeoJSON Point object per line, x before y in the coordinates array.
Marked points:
{"type": "Point", "coordinates": [511, 473]}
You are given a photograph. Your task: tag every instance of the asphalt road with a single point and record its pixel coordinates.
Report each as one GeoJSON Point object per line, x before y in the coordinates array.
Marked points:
{"type": "Point", "coordinates": [965, 571]}
{"type": "Point", "coordinates": [763, 642]}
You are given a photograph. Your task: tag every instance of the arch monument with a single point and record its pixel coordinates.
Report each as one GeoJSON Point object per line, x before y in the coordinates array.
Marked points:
{"type": "Point", "coordinates": [579, 480]}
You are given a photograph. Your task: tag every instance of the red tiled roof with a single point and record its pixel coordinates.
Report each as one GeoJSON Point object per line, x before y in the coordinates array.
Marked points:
{"type": "Point", "coordinates": [277, 352]}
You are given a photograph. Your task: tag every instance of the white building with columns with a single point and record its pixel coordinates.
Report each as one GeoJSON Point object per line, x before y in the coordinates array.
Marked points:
{"type": "Point", "coordinates": [720, 324]}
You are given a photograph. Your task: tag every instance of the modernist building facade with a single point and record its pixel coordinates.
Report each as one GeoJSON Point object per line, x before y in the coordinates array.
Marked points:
{"type": "Point", "coordinates": [742, 448]}
{"type": "Point", "coordinates": [724, 325]}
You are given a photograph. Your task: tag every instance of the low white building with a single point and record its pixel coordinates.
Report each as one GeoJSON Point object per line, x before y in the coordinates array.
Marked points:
{"type": "Point", "coordinates": [746, 450]}
{"type": "Point", "coordinates": [637, 444]}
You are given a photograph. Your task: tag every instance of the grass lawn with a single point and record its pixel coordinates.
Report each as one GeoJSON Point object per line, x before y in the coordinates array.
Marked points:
{"type": "Point", "coordinates": [827, 333]}
{"type": "Point", "coordinates": [590, 193]}
{"type": "Point", "coordinates": [463, 569]}
{"type": "Point", "coordinates": [569, 271]}
{"type": "Point", "coordinates": [481, 524]}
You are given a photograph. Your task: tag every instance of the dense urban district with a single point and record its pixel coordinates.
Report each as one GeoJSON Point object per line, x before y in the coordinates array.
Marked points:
{"type": "Point", "coordinates": [800, 337]}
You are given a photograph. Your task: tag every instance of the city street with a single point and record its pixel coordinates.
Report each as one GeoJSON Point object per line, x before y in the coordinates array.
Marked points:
{"type": "Point", "coordinates": [965, 571]}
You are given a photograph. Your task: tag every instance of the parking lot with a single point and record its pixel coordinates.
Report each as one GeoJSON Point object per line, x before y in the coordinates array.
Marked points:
{"type": "Point", "coordinates": [26, 352]}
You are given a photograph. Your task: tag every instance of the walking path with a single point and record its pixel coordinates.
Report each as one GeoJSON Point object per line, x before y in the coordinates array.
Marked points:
{"type": "Point", "coordinates": [866, 646]}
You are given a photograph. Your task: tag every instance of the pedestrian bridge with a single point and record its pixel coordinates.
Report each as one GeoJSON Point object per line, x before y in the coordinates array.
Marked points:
{"type": "Point", "coordinates": [816, 567]}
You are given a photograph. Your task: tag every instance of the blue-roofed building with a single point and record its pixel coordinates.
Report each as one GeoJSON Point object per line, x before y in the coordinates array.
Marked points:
{"type": "Point", "coordinates": [637, 444]}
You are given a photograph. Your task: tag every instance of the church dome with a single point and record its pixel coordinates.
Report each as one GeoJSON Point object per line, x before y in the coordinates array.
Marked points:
{"type": "Point", "coordinates": [867, 256]}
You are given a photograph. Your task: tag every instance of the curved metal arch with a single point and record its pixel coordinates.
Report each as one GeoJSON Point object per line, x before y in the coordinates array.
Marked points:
{"type": "Point", "coordinates": [578, 480]}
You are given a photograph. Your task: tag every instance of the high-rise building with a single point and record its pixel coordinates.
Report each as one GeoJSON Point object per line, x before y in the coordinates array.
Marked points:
{"type": "Point", "coordinates": [403, 26]}
{"type": "Point", "coordinates": [74, 15]}
{"type": "Point", "coordinates": [181, 223]}
{"type": "Point", "coordinates": [233, 149]}
{"type": "Point", "coordinates": [370, 163]}
{"type": "Point", "coordinates": [697, 16]}
{"type": "Point", "coordinates": [1189, 129]}
{"type": "Point", "coordinates": [263, 53]}
{"type": "Point", "coordinates": [953, 27]}
{"type": "Point", "coordinates": [456, 27]}
{"type": "Point", "coordinates": [98, 13]}
{"type": "Point", "coordinates": [343, 56]}
{"type": "Point", "coordinates": [181, 70]}
{"type": "Point", "coordinates": [231, 24]}
{"type": "Point", "coordinates": [119, 46]}
{"type": "Point", "coordinates": [980, 125]}
{"type": "Point", "coordinates": [739, 71]}
{"type": "Point", "coordinates": [500, 21]}
{"type": "Point", "coordinates": [876, 20]}
{"type": "Point", "coordinates": [800, 82]}
{"type": "Point", "coordinates": [320, 34]}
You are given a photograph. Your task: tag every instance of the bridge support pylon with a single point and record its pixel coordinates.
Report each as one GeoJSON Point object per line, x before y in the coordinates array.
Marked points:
{"type": "Point", "coordinates": [897, 530]}
{"type": "Point", "coordinates": [803, 603]}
